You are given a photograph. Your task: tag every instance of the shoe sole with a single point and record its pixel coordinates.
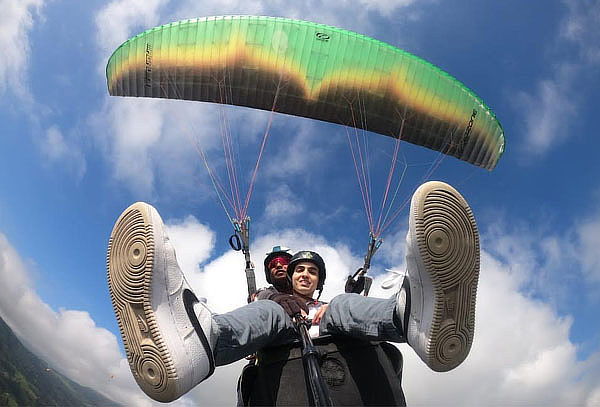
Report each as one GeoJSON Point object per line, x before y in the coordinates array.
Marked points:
{"type": "Point", "coordinates": [130, 261]}
{"type": "Point", "coordinates": [448, 242]}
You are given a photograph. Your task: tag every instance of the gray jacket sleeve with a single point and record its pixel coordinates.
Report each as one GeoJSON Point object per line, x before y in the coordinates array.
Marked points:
{"type": "Point", "coordinates": [266, 293]}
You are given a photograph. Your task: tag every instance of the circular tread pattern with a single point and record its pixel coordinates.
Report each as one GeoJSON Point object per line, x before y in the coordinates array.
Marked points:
{"type": "Point", "coordinates": [448, 243]}
{"type": "Point", "coordinates": [130, 261]}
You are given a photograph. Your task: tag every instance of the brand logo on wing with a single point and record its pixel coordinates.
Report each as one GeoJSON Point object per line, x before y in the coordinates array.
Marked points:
{"type": "Point", "coordinates": [322, 37]}
{"type": "Point", "coordinates": [148, 70]}
{"type": "Point", "coordinates": [465, 137]}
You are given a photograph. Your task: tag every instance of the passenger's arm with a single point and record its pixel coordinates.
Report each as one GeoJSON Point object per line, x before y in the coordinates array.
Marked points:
{"type": "Point", "coordinates": [319, 314]}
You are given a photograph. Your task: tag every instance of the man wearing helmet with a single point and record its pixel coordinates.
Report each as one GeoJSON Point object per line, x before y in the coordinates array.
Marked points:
{"type": "Point", "coordinates": [276, 264]}
{"type": "Point", "coordinates": [307, 273]}
{"type": "Point", "coordinates": [173, 341]}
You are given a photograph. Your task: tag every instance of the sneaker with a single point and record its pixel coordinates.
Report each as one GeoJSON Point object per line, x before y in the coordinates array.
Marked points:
{"type": "Point", "coordinates": [443, 269]}
{"type": "Point", "coordinates": [165, 329]}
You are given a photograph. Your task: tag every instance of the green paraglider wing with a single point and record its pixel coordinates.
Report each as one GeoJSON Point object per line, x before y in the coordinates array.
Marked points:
{"type": "Point", "coordinates": [310, 70]}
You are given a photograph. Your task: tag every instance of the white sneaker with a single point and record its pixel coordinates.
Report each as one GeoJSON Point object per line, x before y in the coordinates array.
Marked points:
{"type": "Point", "coordinates": [165, 330]}
{"type": "Point", "coordinates": [443, 269]}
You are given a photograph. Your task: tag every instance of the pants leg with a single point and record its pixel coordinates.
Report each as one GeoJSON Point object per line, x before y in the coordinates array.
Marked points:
{"type": "Point", "coordinates": [362, 318]}
{"type": "Point", "coordinates": [245, 330]}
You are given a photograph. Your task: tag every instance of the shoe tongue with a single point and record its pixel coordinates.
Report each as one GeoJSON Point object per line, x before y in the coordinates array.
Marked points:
{"type": "Point", "coordinates": [199, 306]}
{"type": "Point", "coordinates": [408, 241]}
{"type": "Point", "coordinates": [394, 280]}
{"type": "Point", "coordinates": [402, 314]}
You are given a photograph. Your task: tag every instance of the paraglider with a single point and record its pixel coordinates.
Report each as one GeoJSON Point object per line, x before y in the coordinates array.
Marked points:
{"type": "Point", "coordinates": [310, 70]}
{"type": "Point", "coordinates": [319, 72]}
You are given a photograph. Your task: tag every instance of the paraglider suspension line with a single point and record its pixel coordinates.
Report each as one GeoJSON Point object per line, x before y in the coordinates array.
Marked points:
{"type": "Point", "coordinates": [262, 148]}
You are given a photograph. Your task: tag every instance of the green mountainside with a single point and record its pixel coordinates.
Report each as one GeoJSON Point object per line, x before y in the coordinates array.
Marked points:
{"type": "Point", "coordinates": [26, 380]}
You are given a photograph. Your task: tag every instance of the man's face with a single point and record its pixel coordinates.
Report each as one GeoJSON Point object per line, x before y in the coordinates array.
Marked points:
{"type": "Point", "coordinates": [305, 278]}
{"type": "Point", "coordinates": [278, 268]}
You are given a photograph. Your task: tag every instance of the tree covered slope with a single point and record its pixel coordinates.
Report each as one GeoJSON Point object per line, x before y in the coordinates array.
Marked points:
{"type": "Point", "coordinates": [26, 380]}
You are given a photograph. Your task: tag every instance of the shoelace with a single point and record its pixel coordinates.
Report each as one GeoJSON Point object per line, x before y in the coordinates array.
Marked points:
{"type": "Point", "coordinates": [394, 280]}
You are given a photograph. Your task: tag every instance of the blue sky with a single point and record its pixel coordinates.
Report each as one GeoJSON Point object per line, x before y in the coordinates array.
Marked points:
{"type": "Point", "coordinates": [73, 158]}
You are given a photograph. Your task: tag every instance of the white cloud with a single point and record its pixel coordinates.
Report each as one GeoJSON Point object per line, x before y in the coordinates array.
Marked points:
{"type": "Point", "coordinates": [588, 242]}
{"type": "Point", "coordinates": [386, 7]}
{"type": "Point", "coordinates": [16, 20]}
{"type": "Point", "coordinates": [135, 127]}
{"type": "Point", "coordinates": [193, 9]}
{"type": "Point", "coordinates": [62, 152]}
{"type": "Point", "coordinates": [117, 20]}
{"type": "Point", "coordinates": [551, 107]}
{"type": "Point", "coordinates": [303, 151]}
{"type": "Point", "coordinates": [548, 111]}
{"type": "Point", "coordinates": [342, 13]}
{"type": "Point", "coordinates": [550, 262]}
{"type": "Point", "coordinates": [68, 339]}
{"type": "Point", "coordinates": [144, 138]}
{"type": "Point", "coordinates": [522, 354]}
{"type": "Point", "coordinates": [393, 249]}
{"type": "Point", "coordinates": [282, 202]}
{"type": "Point", "coordinates": [582, 27]}
{"type": "Point", "coordinates": [193, 240]}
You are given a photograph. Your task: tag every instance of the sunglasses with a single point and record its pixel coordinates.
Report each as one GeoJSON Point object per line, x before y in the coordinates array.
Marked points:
{"type": "Point", "coordinates": [284, 261]}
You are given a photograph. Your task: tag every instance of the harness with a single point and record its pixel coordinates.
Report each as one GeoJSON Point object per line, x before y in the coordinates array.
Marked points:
{"type": "Point", "coordinates": [357, 373]}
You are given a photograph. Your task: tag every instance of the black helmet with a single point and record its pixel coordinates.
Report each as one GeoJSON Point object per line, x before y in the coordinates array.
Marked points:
{"type": "Point", "coordinates": [278, 251]}
{"type": "Point", "coordinates": [313, 257]}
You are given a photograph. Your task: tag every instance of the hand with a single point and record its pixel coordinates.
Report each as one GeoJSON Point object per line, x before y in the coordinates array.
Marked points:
{"type": "Point", "coordinates": [319, 314]}
{"type": "Point", "coordinates": [291, 304]}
